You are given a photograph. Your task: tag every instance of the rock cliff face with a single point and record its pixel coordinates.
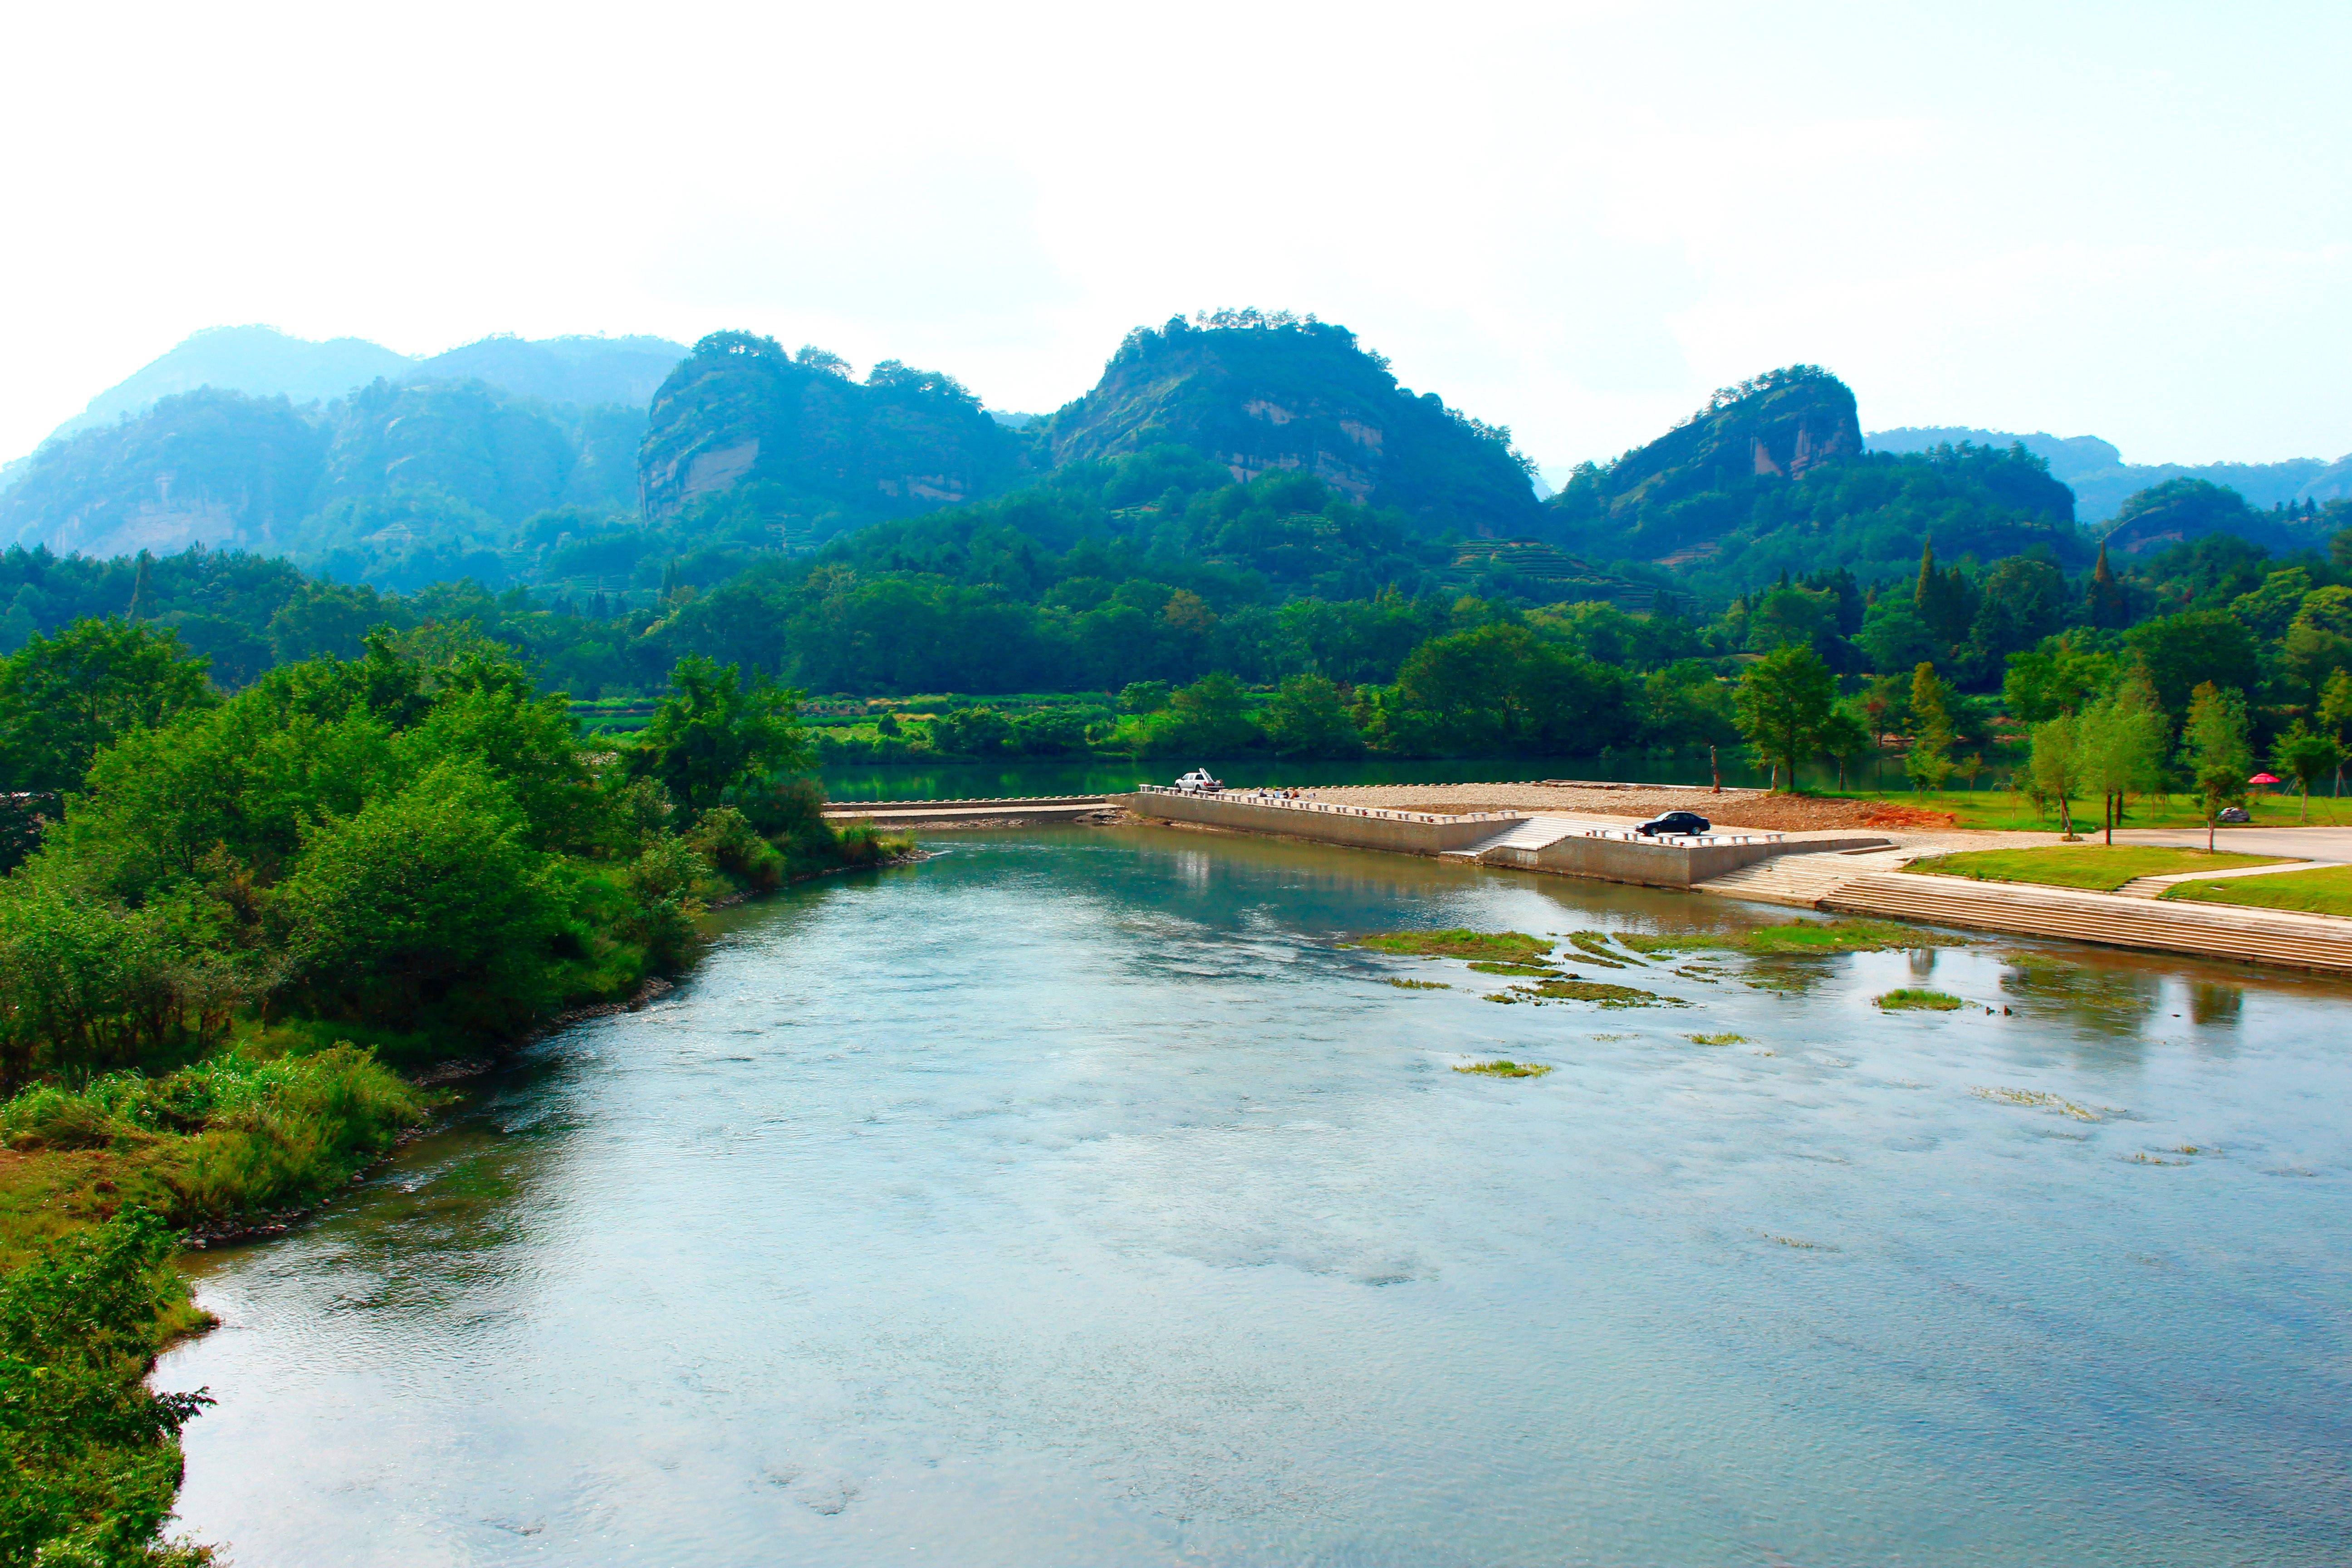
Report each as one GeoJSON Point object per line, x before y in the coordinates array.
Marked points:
{"type": "Point", "coordinates": [219, 466]}
{"type": "Point", "coordinates": [1777, 427]}
{"type": "Point", "coordinates": [740, 411]}
{"type": "Point", "coordinates": [1260, 396]}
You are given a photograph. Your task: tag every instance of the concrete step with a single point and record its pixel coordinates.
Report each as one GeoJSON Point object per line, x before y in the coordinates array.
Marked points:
{"type": "Point", "coordinates": [2212, 931]}
{"type": "Point", "coordinates": [1533, 834]}
{"type": "Point", "coordinates": [1801, 880]}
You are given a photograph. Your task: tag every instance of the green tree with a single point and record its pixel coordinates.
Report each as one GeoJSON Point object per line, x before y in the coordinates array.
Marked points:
{"type": "Point", "coordinates": [1785, 698]}
{"type": "Point", "coordinates": [1309, 718]}
{"type": "Point", "coordinates": [2214, 750]}
{"type": "Point", "coordinates": [1846, 737]}
{"type": "Point", "coordinates": [92, 1454]}
{"type": "Point", "coordinates": [2194, 647]}
{"type": "Point", "coordinates": [2304, 754]}
{"type": "Point", "coordinates": [2058, 677]}
{"type": "Point", "coordinates": [63, 698]}
{"type": "Point", "coordinates": [1930, 760]}
{"type": "Point", "coordinates": [2056, 763]}
{"type": "Point", "coordinates": [2336, 713]}
{"type": "Point", "coordinates": [1206, 720]}
{"type": "Point", "coordinates": [425, 900]}
{"type": "Point", "coordinates": [717, 729]}
{"type": "Point", "coordinates": [2125, 737]}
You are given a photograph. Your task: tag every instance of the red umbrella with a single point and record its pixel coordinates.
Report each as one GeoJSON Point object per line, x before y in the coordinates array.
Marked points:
{"type": "Point", "coordinates": [2264, 778]}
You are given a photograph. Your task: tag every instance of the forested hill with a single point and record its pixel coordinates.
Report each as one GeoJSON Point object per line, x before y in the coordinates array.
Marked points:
{"type": "Point", "coordinates": [396, 485]}
{"type": "Point", "coordinates": [1260, 394]}
{"type": "Point", "coordinates": [813, 450]}
{"type": "Point", "coordinates": [1770, 477]}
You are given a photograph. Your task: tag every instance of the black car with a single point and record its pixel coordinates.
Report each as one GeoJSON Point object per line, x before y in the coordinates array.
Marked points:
{"type": "Point", "coordinates": [1674, 822]}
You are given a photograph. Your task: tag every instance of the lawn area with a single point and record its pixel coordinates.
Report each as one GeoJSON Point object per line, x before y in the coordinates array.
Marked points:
{"type": "Point", "coordinates": [1999, 810]}
{"type": "Point", "coordinates": [2322, 893]}
{"type": "Point", "coordinates": [2098, 868]}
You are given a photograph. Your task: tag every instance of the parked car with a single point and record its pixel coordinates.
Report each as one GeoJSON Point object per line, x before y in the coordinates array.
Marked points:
{"type": "Point", "coordinates": [1198, 782]}
{"type": "Point", "coordinates": [1674, 822]}
{"type": "Point", "coordinates": [2233, 813]}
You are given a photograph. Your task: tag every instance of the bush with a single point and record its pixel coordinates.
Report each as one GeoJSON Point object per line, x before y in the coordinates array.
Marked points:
{"type": "Point", "coordinates": [92, 1454]}
{"type": "Point", "coordinates": [726, 838]}
{"type": "Point", "coordinates": [426, 898]}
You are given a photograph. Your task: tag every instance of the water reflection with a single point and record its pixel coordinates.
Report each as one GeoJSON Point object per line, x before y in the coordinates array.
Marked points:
{"type": "Point", "coordinates": [1077, 1198]}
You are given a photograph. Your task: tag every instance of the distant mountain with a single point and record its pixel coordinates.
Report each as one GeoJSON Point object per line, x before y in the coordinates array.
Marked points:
{"type": "Point", "coordinates": [812, 448]}
{"type": "Point", "coordinates": [2181, 509]}
{"type": "Point", "coordinates": [1264, 394]}
{"type": "Point", "coordinates": [2102, 481]}
{"type": "Point", "coordinates": [1772, 477]}
{"type": "Point", "coordinates": [263, 362]}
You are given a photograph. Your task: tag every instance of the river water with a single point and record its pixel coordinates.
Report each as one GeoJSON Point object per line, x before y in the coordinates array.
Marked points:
{"type": "Point", "coordinates": [1074, 1198]}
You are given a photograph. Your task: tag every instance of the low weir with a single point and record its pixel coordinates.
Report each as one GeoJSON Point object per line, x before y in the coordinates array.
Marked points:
{"type": "Point", "coordinates": [1526, 841]}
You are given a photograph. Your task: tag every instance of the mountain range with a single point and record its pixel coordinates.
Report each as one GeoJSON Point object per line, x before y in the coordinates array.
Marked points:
{"type": "Point", "coordinates": [2102, 481]}
{"type": "Point", "coordinates": [570, 460]}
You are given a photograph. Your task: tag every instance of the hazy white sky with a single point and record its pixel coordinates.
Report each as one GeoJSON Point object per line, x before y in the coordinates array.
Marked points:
{"type": "Point", "coordinates": [2130, 220]}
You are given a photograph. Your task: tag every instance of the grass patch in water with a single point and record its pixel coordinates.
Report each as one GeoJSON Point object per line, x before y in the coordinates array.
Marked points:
{"type": "Point", "coordinates": [1533, 969]}
{"type": "Point", "coordinates": [1506, 1069]}
{"type": "Point", "coordinates": [1496, 946]}
{"type": "Point", "coordinates": [1575, 988]}
{"type": "Point", "coordinates": [1797, 939]}
{"type": "Point", "coordinates": [2037, 1099]}
{"type": "Point", "coordinates": [1910, 999]}
{"type": "Point", "coordinates": [1421, 984]}
{"type": "Point", "coordinates": [1716, 1040]}
{"type": "Point", "coordinates": [1594, 945]}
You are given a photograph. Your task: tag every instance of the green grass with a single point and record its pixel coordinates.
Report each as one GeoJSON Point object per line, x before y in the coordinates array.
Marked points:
{"type": "Point", "coordinates": [2096, 867]}
{"type": "Point", "coordinates": [1569, 988]}
{"type": "Point", "coordinates": [1798, 938]}
{"type": "Point", "coordinates": [2327, 891]}
{"type": "Point", "coordinates": [1506, 1069]}
{"type": "Point", "coordinates": [1495, 947]}
{"type": "Point", "coordinates": [1912, 1000]}
{"type": "Point", "coordinates": [1538, 970]}
{"type": "Point", "coordinates": [1716, 1040]}
{"type": "Point", "coordinates": [1421, 984]}
{"type": "Point", "coordinates": [1594, 948]}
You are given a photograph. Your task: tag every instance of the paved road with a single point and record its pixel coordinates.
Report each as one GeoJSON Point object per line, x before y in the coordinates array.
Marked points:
{"type": "Point", "coordinates": [2309, 843]}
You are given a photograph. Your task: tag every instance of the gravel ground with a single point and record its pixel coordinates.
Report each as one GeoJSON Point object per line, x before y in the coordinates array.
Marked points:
{"type": "Point", "coordinates": [1732, 808]}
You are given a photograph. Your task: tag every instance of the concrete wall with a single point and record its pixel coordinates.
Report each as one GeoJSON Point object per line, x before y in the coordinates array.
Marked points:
{"type": "Point", "coordinates": [1652, 865]}
{"type": "Point", "coordinates": [1358, 828]}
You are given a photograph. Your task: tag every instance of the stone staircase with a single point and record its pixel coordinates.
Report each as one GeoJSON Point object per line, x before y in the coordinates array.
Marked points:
{"type": "Point", "coordinates": [2155, 886]}
{"type": "Point", "coordinates": [1804, 880]}
{"type": "Point", "coordinates": [2212, 931]}
{"type": "Point", "coordinates": [1533, 834]}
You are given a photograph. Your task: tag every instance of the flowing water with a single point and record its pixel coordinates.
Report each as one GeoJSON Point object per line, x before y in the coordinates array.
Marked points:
{"type": "Point", "coordinates": [1076, 1199]}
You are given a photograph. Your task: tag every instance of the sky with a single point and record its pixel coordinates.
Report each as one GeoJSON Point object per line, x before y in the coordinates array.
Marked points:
{"type": "Point", "coordinates": [1576, 220]}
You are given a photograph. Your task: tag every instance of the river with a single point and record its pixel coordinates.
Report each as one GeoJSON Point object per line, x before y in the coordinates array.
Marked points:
{"type": "Point", "coordinates": [1074, 1198]}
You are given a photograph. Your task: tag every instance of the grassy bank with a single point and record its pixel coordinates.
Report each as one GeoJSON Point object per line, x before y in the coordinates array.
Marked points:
{"type": "Point", "coordinates": [2325, 892]}
{"type": "Point", "coordinates": [2096, 867]}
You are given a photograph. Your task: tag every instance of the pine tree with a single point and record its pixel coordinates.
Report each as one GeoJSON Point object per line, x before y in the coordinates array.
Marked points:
{"type": "Point", "coordinates": [2106, 596]}
{"type": "Point", "coordinates": [143, 588]}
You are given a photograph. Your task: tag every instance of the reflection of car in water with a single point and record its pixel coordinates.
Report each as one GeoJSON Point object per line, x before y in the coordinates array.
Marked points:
{"type": "Point", "coordinates": [1198, 782]}
{"type": "Point", "coordinates": [1674, 822]}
